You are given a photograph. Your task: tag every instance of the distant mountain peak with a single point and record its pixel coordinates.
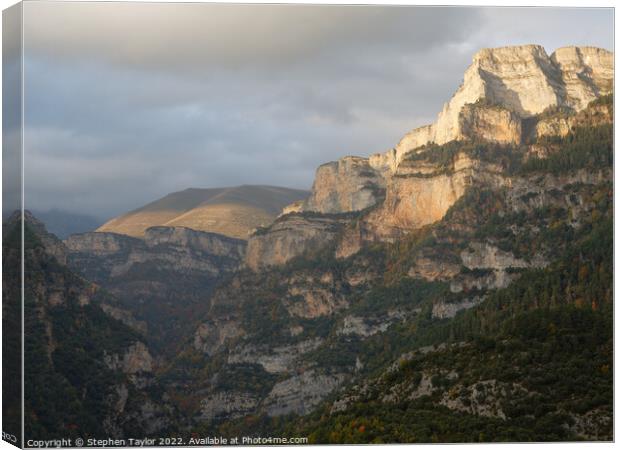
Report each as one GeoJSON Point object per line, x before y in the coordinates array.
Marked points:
{"type": "Point", "coordinates": [231, 211]}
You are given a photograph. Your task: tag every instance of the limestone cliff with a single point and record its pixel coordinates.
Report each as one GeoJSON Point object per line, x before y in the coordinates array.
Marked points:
{"type": "Point", "coordinates": [96, 255]}
{"type": "Point", "coordinates": [509, 96]}
{"type": "Point", "coordinates": [587, 73]}
{"type": "Point", "coordinates": [290, 236]}
{"type": "Point", "coordinates": [102, 255]}
{"type": "Point", "coordinates": [558, 124]}
{"type": "Point", "coordinates": [490, 123]}
{"type": "Point", "coordinates": [421, 193]}
{"type": "Point", "coordinates": [501, 88]}
{"type": "Point", "coordinates": [349, 184]}
{"type": "Point", "coordinates": [522, 79]}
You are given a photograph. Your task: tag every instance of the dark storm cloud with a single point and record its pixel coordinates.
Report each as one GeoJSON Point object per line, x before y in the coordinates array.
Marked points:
{"type": "Point", "coordinates": [185, 37]}
{"type": "Point", "coordinates": [127, 102]}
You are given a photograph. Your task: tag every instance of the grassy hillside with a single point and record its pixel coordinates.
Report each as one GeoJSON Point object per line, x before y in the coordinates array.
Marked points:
{"type": "Point", "coordinates": [231, 211]}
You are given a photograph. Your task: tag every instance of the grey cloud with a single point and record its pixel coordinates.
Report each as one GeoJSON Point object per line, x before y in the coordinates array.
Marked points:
{"type": "Point", "coordinates": [190, 36]}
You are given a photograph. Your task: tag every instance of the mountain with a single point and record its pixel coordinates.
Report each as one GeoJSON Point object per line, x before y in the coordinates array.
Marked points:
{"type": "Point", "coordinates": [492, 323]}
{"type": "Point", "coordinates": [441, 289]}
{"type": "Point", "coordinates": [503, 86]}
{"type": "Point", "coordinates": [64, 223]}
{"type": "Point", "coordinates": [513, 97]}
{"type": "Point", "coordinates": [233, 212]}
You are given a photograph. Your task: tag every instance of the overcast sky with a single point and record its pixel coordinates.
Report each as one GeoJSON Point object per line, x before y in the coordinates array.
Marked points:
{"type": "Point", "coordinates": [128, 102]}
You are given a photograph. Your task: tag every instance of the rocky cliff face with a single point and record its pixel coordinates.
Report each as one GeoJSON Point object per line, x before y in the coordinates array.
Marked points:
{"type": "Point", "coordinates": [522, 79]}
{"type": "Point", "coordinates": [558, 124]}
{"type": "Point", "coordinates": [96, 255]}
{"type": "Point", "coordinates": [299, 394]}
{"type": "Point", "coordinates": [291, 236]}
{"type": "Point", "coordinates": [510, 96]}
{"type": "Point", "coordinates": [490, 123]}
{"type": "Point", "coordinates": [102, 255]}
{"type": "Point", "coordinates": [421, 192]}
{"type": "Point", "coordinates": [340, 190]}
{"type": "Point", "coordinates": [587, 73]}
{"type": "Point", "coordinates": [162, 278]}
{"type": "Point", "coordinates": [349, 184]}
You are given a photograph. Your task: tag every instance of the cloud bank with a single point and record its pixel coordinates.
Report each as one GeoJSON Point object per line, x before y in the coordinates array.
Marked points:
{"type": "Point", "coordinates": [126, 102]}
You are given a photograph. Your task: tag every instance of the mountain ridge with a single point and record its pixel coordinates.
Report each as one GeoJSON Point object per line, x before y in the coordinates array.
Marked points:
{"type": "Point", "coordinates": [524, 80]}
{"type": "Point", "coordinates": [232, 211]}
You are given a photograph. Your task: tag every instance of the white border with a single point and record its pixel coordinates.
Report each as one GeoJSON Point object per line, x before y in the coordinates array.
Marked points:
{"type": "Point", "coordinates": [531, 3]}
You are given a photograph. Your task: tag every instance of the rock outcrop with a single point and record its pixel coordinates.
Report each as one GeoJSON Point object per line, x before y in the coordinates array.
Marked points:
{"type": "Point", "coordinates": [365, 327]}
{"type": "Point", "coordinates": [587, 73]}
{"type": "Point", "coordinates": [418, 194]}
{"type": "Point", "coordinates": [311, 302]}
{"type": "Point", "coordinates": [481, 255]}
{"type": "Point", "coordinates": [524, 81]}
{"type": "Point", "coordinates": [228, 405]}
{"type": "Point", "coordinates": [444, 310]}
{"type": "Point", "coordinates": [561, 124]}
{"type": "Point", "coordinates": [490, 123]}
{"type": "Point", "coordinates": [294, 207]}
{"type": "Point", "coordinates": [96, 255]}
{"type": "Point", "coordinates": [136, 359]}
{"type": "Point", "coordinates": [432, 269]}
{"type": "Point", "coordinates": [349, 184]}
{"type": "Point", "coordinates": [101, 256]}
{"type": "Point", "coordinates": [299, 394]}
{"type": "Point", "coordinates": [274, 360]}
{"type": "Point", "coordinates": [211, 336]}
{"type": "Point", "coordinates": [291, 236]}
